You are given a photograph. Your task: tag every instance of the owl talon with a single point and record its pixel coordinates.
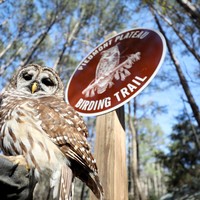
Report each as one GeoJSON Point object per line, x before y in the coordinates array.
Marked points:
{"type": "Point", "coordinates": [19, 160]}
{"type": "Point", "coordinates": [12, 171]}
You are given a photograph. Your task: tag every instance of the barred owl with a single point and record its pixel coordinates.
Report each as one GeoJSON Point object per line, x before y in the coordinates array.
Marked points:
{"type": "Point", "coordinates": [37, 123]}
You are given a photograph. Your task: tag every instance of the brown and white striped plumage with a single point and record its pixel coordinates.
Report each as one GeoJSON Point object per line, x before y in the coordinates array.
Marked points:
{"type": "Point", "coordinates": [37, 123]}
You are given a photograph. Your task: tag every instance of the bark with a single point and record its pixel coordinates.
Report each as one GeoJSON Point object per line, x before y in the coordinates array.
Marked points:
{"type": "Point", "coordinates": [197, 141]}
{"type": "Point", "coordinates": [182, 78]}
{"type": "Point", "coordinates": [130, 180]}
{"type": "Point", "coordinates": [192, 10]}
{"type": "Point", "coordinates": [137, 185]}
{"type": "Point", "coordinates": [181, 37]}
{"type": "Point", "coordinates": [136, 130]}
{"type": "Point", "coordinates": [82, 192]}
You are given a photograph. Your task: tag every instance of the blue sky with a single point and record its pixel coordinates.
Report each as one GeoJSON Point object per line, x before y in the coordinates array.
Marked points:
{"type": "Point", "coordinates": [171, 96]}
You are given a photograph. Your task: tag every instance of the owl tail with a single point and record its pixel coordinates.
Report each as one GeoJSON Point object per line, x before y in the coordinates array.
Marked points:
{"type": "Point", "coordinates": [66, 179]}
{"type": "Point", "coordinates": [61, 183]}
{"type": "Point", "coordinates": [92, 181]}
{"type": "Point", "coordinates": [95, 185]}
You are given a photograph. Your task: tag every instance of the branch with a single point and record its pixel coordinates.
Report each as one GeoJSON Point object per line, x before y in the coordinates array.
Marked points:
{"type": "Point", "coordinates": [191, 10]}
{"type": "Point", "coordinates": [37, 43]}
{"type": "Point", "coordinates": [183, 80]}
{"type": "Point", "coordinates": [68, 42]}
{"type": "Point", "coordinates": [5, 66]}
{"type": "Point", "coordinates": [74, 32]}
{"type": "Point", "coordinates": [181, 37]}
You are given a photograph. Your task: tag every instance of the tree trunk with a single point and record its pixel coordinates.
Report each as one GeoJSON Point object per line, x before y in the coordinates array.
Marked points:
{"type": "Point", "coordinates": [191, 10]}
{"type": "Point", "coordinates": [137, 185]}
{"type": "Point", "coordinates": [183, 81]}
{"type": "Point", "coordinates": [181, 37]}
{"type": "Point", "coordinates": [82, 191]}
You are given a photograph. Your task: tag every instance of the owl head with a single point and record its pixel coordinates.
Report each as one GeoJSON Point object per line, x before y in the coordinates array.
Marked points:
{"type": "Point", "coordinates": [36, 81]}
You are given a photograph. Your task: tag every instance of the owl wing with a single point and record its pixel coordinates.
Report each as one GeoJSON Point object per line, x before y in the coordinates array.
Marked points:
{"type": "Point", "coordinates": [101, 68]}
{"type": "Point", "coordinates": [68, 131]}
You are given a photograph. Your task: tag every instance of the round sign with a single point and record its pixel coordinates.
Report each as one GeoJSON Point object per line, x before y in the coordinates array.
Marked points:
{"type": "Point", "coordinates": [116, 71]}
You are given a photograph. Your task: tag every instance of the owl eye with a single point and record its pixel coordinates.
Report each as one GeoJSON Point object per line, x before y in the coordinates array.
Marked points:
{"type": "Point", "coordinates": [48, 82]}
{"type": "Point", "coordinates": [27, 76]}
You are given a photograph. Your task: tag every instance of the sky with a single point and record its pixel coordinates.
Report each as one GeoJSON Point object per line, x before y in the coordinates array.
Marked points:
{"type": "Point", "coordinates": [171, 96]}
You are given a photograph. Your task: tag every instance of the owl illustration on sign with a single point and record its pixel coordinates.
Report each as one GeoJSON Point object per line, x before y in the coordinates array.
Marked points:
{"type": "Point", "coordinates": [109, 68]}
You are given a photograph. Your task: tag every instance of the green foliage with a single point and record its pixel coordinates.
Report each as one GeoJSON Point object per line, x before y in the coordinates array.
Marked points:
{"type": "Point", "coordinates": [153, 196]}
{"type": "Point", "coordinates": [46, 29]}
{"type": "Point", "coordinates": [151, 139]}
{"type": "Point", "coordinates": [23, 23]}
{"type": "Point", "coordinates": [183, 160]}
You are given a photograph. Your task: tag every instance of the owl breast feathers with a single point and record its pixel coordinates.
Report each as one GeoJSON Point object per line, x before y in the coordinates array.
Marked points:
{"type": "Point", "coordinates": [36, 122]}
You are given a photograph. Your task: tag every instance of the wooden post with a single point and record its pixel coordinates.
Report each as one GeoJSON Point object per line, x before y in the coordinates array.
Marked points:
{"type": "Point", "coordinates": [110, 153]}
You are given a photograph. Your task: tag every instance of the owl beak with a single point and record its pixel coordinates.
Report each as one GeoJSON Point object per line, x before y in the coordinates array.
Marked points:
{"type": "Point", "coordinates": [34, 87]}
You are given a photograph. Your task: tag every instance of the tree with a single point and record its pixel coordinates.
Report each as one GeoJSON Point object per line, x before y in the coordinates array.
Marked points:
{"type": "Point", "coordinates": [52, 33]}
{"type": "Point", "coordinates": [145, 138]}
{"type": "Point", "coordinates": [192, 10]}
{"type": "Point", "coordinates": [138, 194]}
{"type": "Point", "coordinates": [182, 161]}
{"type": "Point", "coordinates": [59, 33]}
{"type": "Point", "coordinates": [181, 76]}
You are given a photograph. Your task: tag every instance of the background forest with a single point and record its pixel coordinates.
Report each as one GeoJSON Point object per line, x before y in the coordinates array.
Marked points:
{"type": "Point", "coordinates": [165, 117]}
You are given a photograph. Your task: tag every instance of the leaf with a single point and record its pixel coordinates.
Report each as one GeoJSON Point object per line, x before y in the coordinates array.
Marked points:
{"type": "Point", "coordinates": [116, 75]}
{"type": "Point", "coordinates": [128, 66]}
{"type": "Point", "coordinates": [126, 72]}
{"type": "Point", "coordinates": [123, 77]}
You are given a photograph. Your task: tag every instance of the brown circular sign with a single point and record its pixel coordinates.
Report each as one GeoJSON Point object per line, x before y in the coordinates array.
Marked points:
{"type": "Point", "coordinates": [116, 71]}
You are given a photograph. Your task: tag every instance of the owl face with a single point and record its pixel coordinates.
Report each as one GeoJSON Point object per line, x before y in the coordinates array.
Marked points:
{"type": "Point", "coordinates": [34, 80]}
